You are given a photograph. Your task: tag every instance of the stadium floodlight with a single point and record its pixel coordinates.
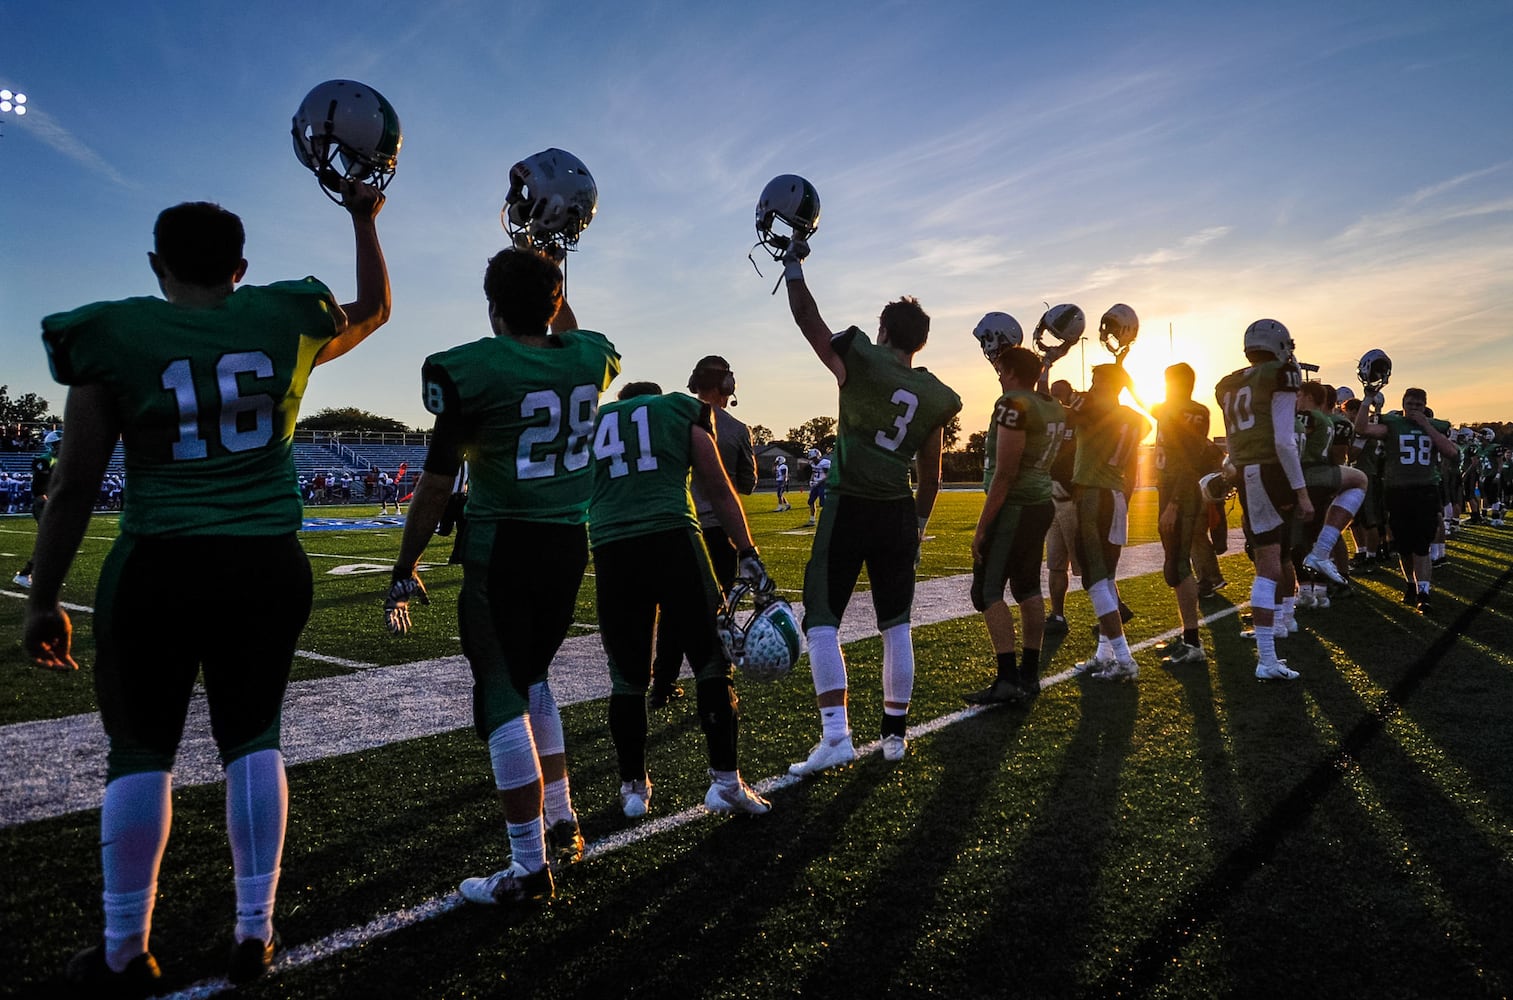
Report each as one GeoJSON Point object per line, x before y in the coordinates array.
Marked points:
{"type": "Point", "coordinates": [13, 103]}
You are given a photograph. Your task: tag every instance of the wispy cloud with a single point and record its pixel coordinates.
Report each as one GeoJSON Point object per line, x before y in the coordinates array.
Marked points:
{"type": "Point", "coordinates": [1184, 249]}
{"type": "Point", "coordinates": [1429, 206]}
{"type": "Point", "coordinates": [46, 128]}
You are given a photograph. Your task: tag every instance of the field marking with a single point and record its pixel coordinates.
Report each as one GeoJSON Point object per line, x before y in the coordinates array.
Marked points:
{"type": "Point", "coordinates": [436, 906]}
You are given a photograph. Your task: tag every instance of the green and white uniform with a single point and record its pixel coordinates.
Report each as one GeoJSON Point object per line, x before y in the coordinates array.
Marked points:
{"type": "Point", "coordinates": [650, 558]}
{"type": "Point", "coordinates": [207, 399]}
{"type": "Point", "coordinates": [523, 415]}
{"type": "Point", "coordinates": [1410, 475]}
{"type": "Point", "coordinates": [887, 411]}
{"type": "Point", "coordinates": [1181, 440]}
{"type": "Point", "coordinates": [1017, 535]}
{"type": "Point", "coordinates": [1256, 401]}
{"type": "Point", "coordinates": [1108, 437]}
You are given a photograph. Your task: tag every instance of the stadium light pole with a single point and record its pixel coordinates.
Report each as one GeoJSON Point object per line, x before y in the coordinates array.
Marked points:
{"type": "Point", "coordinates": [12, 103]}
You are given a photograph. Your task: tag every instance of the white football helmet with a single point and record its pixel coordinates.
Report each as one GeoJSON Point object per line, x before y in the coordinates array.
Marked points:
{"type": "Point", "coordinates": [552, 199]}
{"type": "Point", "coordinates": [345, 130]}
{"type": "Point", "coordinates": [1219, 486]}
{"type": "Point", "coordinates": [1118, 329]}
{"type": "Point", "coordinates": [1059, 330]}
{"type": "Point", "coordinates": [814, 454]}
{"type": "Point", "coordinates": [1270, 336]}
{"type": "Point", "coordinates": [1374, 370]}
{"type": "Point", "coordinates": [767, 645]}
{"type": "Point", "coordinates": [1487, 434]}
{"type": "Point", "coordinates": [995, 331]}
{"type": "Point", "coordinates": [789, 199]}
{"type": "Point", "coordinates": [1343, 394]}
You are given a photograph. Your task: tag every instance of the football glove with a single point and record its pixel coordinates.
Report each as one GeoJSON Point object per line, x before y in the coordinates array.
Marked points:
{"type": "Point", "coordinates": [750, 569]}
{"type": "Point", "coordinates": [403, 587]}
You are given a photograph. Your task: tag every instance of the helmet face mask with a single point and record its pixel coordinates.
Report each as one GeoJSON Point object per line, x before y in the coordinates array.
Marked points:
{"type": "Point", "coordinates": [996, 331]}
{"type": "Point", "coordinates": [1374, 370]}
{"type": "Point", "coordinates": [767, 645]}
{"type": "Point", "coordinates": [552, 199]}
{"type": "Point", "coordinates": [347, 131]}
{"type": "Point", "coordinates": [1272, 337]}
{"type": "Point", "coordinates": [787, 211]}
{"type": "Point", "coordinates": [1118, 329]}
{"type": "Point", "coordinates": [1059, 330]}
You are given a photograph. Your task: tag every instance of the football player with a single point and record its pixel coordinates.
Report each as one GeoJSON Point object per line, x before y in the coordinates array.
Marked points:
{"type": "Point", "coordinates": [780, 473]}
{"type": "Point", "coordinates": [1108, 441]}
{"type": "Point", "coordinates": [1181, 450]}
{"type": "Point", "coordinates": [1335, 492]}
{"type": "Point", "coordinates": [42, 472]}
{"type": "Point", "coordinates": [521, 405]}
{"type": "Point", "coordinates": [890, 413]}
{"type": "Point", "coordinates": [650, 554]}
{"type": "Point", "coordinates": [819, 472]}
{"type": "Point", "coordinates": [1021, 444]}
{"type": "Point", "coordinates": [713, 383]}
{"type": "Point", "coordinates": [1259, 403]}
{"type": "Point", "coordinates": [1061, 539]}
{"type": "Point", "coordinates": [1413, 511]}
{"type": "Point", "coordinates": [204, 386]}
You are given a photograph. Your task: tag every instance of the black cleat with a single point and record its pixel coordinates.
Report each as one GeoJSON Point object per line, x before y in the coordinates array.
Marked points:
{"type": "Point", "coordinates": [90, 976]}
{"type": "Point", "coordinates": [1000, 692]}
{"type": "Point", "coordinates": [1055, 625]}
{"type": "Point", "coordinates": [251, 958]}
{"type": "Point", "coordinates": [1424, 607]}
{"type": "Point", "coordinates": [564, 842]}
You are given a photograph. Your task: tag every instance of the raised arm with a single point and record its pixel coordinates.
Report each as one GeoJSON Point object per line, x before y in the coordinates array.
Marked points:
{"type": "Point", "coordinates": [806, 314]}
{"type": "Point", "coordinates": [371, 308]}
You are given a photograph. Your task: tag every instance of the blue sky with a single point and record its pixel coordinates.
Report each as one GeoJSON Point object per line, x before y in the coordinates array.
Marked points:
{"type": "Point", "coordinates": [1346, 168]}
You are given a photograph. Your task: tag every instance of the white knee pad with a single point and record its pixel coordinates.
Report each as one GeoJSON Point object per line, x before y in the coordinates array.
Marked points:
{"type": "Point", "coordinates": [898, 664]}
{"type": "Point", "coordinates": [826, 663]}
{"type": "Point", "coordinates": [513, 753]}
{"type": "Point", "coordinates": [546, 721]}
{"type": "Point", "coordinates": [1105, 597]}
{"type": "Point", "coordinates": [1350, 501]}
{"type": "Point", "coordinates": [1263, 594]}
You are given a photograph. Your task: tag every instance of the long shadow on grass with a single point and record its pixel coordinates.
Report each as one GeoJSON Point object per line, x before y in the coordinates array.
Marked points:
{"type": "Point", "coordinates": [1034, 933]}
{"type": "Point", "coordinates": [1288, 814]}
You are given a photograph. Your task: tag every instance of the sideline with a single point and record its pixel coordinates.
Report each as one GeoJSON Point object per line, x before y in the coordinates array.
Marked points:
{"type": "Point", "coordinates": [410, 916]}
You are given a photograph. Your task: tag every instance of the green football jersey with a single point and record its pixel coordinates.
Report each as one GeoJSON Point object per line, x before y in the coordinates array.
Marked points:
{"type": "Point", "coordinates": [1108, 439]}
{"type": "Point", "coordinates": [887, 410]}
{"type": "Point", "coordinates": [527, 414]}
{"type": "Point", "coordinates": [1181, 441]}
{"type": "Point", "coordinates": [1409, 453]}
{"type": "Point", "coordinates": [207, 399]}
{"type": "Point", "coordinates": [643, 460]}
{"type": "Point", "coordinates": [1344, 433]}
{"type": "Point", "coordinates": [1315, 438]}
{"type": "Point", "coordinates": [1042, 420]}
{"type": "Point", "coordinates": [1244, 397]}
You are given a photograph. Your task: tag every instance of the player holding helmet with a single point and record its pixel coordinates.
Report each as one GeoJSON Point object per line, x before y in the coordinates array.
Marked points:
{"type": "Point", "coordinates": [1259, 406]}
{"type": "Point", "coordinates": [204, 387]}
{"type": "Point", "coordinates": [890, 413]}
{"type": "Point", "coordinates": [1413, 509]}
{"type": "Point", "coordinates": [1021, 444]}
{"type": "Point", "coordinates": [521, 404]}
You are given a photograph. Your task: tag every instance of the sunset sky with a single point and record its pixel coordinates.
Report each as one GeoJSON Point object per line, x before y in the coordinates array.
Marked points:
{"type": "Point", "coordinates": [1346, 168]}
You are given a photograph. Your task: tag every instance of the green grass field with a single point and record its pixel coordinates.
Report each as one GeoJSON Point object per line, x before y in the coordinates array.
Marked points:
{"type": "Point", "coordinates": [1197, 833]}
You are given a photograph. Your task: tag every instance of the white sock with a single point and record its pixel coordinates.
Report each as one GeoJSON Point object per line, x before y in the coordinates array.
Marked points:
{"type": "Point", "coordinates": [1423, 586]}
{"type": "Point", "coordinates": [257, 809]}
{"type": "Point", "coordinates": [898, 665]}
{"type": "Point", "coordinates": [528, 844]}
{"type": "Point", "coordinates": [134, 821]}
{"type": "Point", "coordinates": [827, 664]}
{"type": "Point", "coordinates": [1105, 647]}
{"type": "Point", "coordinates": [835, 723]}
{"type": "Point", "coordinates": [1120, 647]}
{"type": "Point", "coordinates": [1266, 643]}
{"type": "Point", "coordinates": [559, 800]}
{"type": "Point", "coordinates": [1328, 535]}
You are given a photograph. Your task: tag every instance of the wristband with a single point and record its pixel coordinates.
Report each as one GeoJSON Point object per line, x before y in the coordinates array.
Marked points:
{"type": "Point", "coordinates": [793, 271]}
{"type": "Point", "coordinates": [750, 553]}
{"type": "Point", "coordinates": [922, 522]}
{"type": "Point", "coordinates": [397, 574]}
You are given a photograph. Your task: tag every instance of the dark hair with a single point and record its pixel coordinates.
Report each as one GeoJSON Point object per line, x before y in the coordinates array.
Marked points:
{"type": "Point", "coordinates": [633, 389]}
{"type": "Point", "coordinates": [199, 243]}
{"type": "Point", "coordinates": [1061, 390]}
{"type": "Point", "coordinates": [1315, 392]}
{"type": "Point", "coordinates": [1021, 363]}
{"type": "Point", "coordinates": [907, 323]}
{"type": "Point", "coordinates": [1352, 406]}
{"type": "Point", "coordinates": [524, 290]}
{"type": "Point", "coordinates": [1181, 376]}
{"type": "Point", "coordinates": [1415, 391]}
{"type": "Point", "coordinates": [712, 372]}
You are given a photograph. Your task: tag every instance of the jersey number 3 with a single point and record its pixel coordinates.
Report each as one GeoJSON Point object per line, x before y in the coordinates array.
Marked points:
{"type": "Point", "coordinates": [910, 403]}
